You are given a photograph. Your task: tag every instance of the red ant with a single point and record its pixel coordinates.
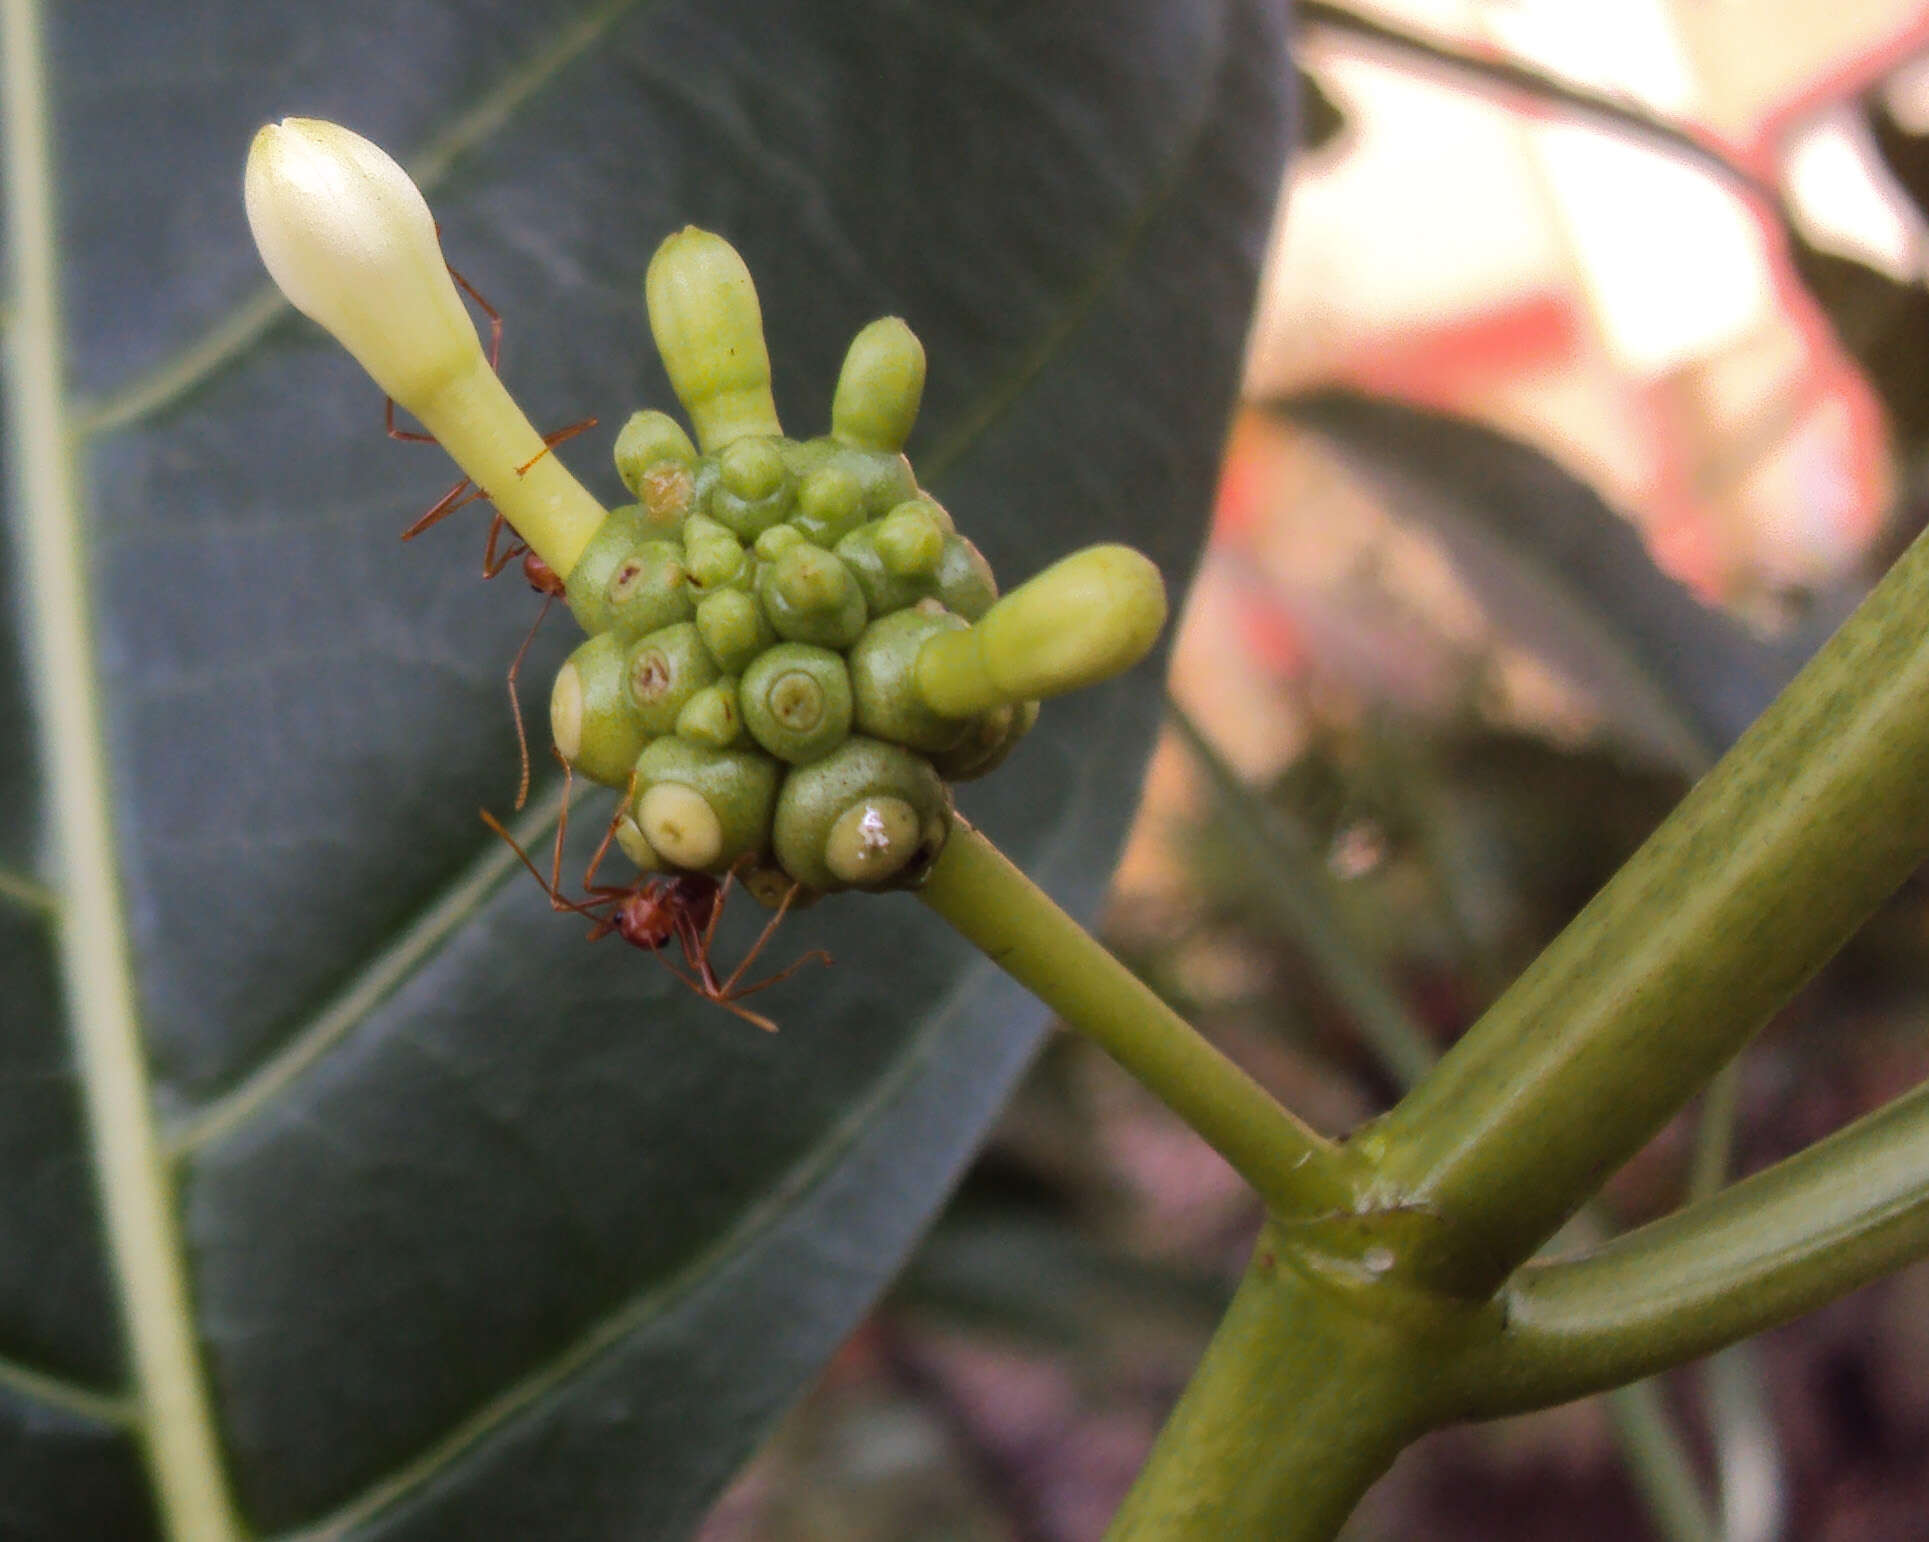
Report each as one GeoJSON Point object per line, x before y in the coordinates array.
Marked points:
{"type": "Point", "coordinates": [536, 572]}
{"type": "Point", "coordinates": [653, 912]}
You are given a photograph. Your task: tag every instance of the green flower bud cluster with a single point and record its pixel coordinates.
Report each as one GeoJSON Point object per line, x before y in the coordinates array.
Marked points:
{"type": "Point", "coordinates": [792, 651]}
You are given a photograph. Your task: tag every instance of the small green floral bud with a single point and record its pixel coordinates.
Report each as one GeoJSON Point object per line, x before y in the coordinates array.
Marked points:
{"type": "Point", "coordinates": [777, 540]}
{"type": "Point", "coordinates": [586, 590]}
{"type": "Point", "coordinates": [701, 808]}
{"type": "Point", "coordinates": [711, 717]}
{"type": "Point", "coordinates": [797, 701]}
{"type": "Point", "coordinates": [713, 555]}
{"type": "Point", "coordinates": [811, 597]}
{"type": "Point", "coordinates": [965, 582]}
{"type": "Point", "coordinates": [883, 478]}
{"type": "Point", "coordinates": [868, 814]}
{"type": "Point", "coordinates": [992, 736]}
{"type": "Point", "coordinates": [883, 590]}
{"type": "Point", "coordinates": [906, 573]}
{"type": "Point", "coordinates": [665, 669]}
{"type": "Point", "coordinates": [631, 842]}
{"type": "Point", "coordinates": [910, 539]}
{"type": "Point", "coordinates": [649, 589]}
{"type": "Point", "coordinates": [591, 718]}
{"type": "Point", "coordinates": [734, 628]}
{"type": "Point", "coordinates": [1084, 619]}
{"type": "Point", "coordinates": [754, 490]}
{"type": "Point", "coordinates": [830, 505]}
{"type": "Point", "coordinates": [880, 387]}
{"type": "Point", "coordinates": [884, 687]}
{"type": "Point", "coordinates": [647, 441]}
{"type": "Point", "coordinates": [710, 331]}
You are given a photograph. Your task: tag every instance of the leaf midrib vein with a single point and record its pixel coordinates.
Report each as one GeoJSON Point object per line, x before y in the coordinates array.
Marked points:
{"type": "Point", "coordinates": [137, 1204]}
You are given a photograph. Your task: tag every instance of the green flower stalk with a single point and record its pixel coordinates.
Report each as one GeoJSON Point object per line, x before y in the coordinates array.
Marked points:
{"type": "Point", "coordinates": [351, 243]}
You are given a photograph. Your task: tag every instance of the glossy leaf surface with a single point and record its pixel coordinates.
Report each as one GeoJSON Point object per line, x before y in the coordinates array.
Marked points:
{"type": "Point", "coordinates": [491, 1233]}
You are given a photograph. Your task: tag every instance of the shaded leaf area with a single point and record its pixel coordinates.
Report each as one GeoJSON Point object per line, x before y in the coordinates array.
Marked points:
{"type": "Point", "coordinates": [1557, 569]}
{"type": "Point", "coordinates": [67, 1475]}
{"type": "Point", "coordinates": [494, 1234]}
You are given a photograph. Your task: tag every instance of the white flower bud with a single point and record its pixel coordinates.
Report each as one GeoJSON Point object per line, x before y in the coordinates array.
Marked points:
{"type": "Point", "coordinates": [352, 244]}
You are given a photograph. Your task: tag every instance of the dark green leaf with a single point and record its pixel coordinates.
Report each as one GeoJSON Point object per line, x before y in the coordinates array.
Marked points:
{"type": "Point", "coordinates": [491, 1233]}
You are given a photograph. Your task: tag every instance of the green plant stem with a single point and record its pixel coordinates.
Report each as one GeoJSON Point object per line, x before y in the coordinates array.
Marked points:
{"type": "Point", "coordinates": [1290, 882]}
{"type": "Point", "coordinates": [1016, 924]}
{"type": "Point", "coordinates": [1842, 1213]}
{"type": "Point", "coordinates": [1766, 868]}
{"type": "Point", "coordinates": [1303, 1399]}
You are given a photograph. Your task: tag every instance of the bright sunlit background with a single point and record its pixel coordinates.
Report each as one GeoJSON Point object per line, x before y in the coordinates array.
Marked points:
{"type": "Point", "coordinates": [1678, 248]}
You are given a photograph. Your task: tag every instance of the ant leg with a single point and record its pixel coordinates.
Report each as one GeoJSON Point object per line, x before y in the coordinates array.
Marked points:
{"type": "Point", "coordinates": [609, 834]}
{"type": "Point", "coordinates": [515, 702]}
{"type": "Point", "coordinates": [494, 315]}
{"type": "Point", "coordinates": [460, 496]}
{"type": "Point", "coordinates": [557, 899]}
{"type": "Point", "coordinates": [404, 435]}
{"type": "Point", "coordinates": [492, 562]}
{"type": "Point", "coordinates": [550, 441]}
{"type": "Point", "coordinates": [770, 928]}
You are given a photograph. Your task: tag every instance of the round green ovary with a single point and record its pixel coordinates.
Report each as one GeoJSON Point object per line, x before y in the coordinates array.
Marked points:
{"type": "Point", "coordinates": [590, 716]}
{"type": "Point", "coordinates": [664, 671]}
{"type": "Point", "coordinates": [649, 589]}
{"type": "Point", "coordinates": [738, 788]}
{"type": "Point", "coordinates": [797, 701]}
{"type": "Point", "coordinates": [884, 687]}
{"type": "Point", "coordinates": [854, 777]}
{"type": "Point", "coordinates": [871, 840]}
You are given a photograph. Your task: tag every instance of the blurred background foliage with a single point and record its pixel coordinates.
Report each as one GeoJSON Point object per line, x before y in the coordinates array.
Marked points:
{"type": "Point", "coordinates": [1587, 391]}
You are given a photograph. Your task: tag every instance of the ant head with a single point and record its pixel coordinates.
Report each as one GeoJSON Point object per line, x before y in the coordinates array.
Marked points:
{"type": "Point", "coordinates": [647, 916]}
{"type": "Point", "coordinates": [540, 576]}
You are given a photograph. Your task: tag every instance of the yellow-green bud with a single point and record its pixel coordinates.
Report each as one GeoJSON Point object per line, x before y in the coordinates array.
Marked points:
{"type": "Point", "coordinates": [777, 540]}
{"type": "Point", "coordinates": [665, 669]}
{"type": "Point", "coordinates": [965, 583]}
{"type": "Point", "coordinates": [754, 488]}
{"type": "Point", "coordinates": [711, 717]}
{"type": "Point", "coordinates": [594, 724]}
{"type": "Point", "coordinates": [712, 554]}
{"type": "Point", "coordinates": [1084, 619]}
{"type": "Point", "coordinates": [710, 331]}
{"type": "Point", "coordinates": [830, 504]}
{"type": "Point", "coordinates": [648, 440]}
{"type": "Point", "coordinates": [702, 808]}
{"type": "Point", "coordinates": [883, 668]}
{"type": "Point", "coordinates": [734, 628]}
{"type": "Point", "coordinates": [880, 387]}
{"type": "Point", "coordinates": [796, 701]}
{"type": "Point", "coordinates": [811, 597]}
{"type": "Point", "coordinates": [910, 539]}
{"type": "Point", "coordinates": [842, 821]}
{"type": "Point", "coordinates": [909, 571]}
